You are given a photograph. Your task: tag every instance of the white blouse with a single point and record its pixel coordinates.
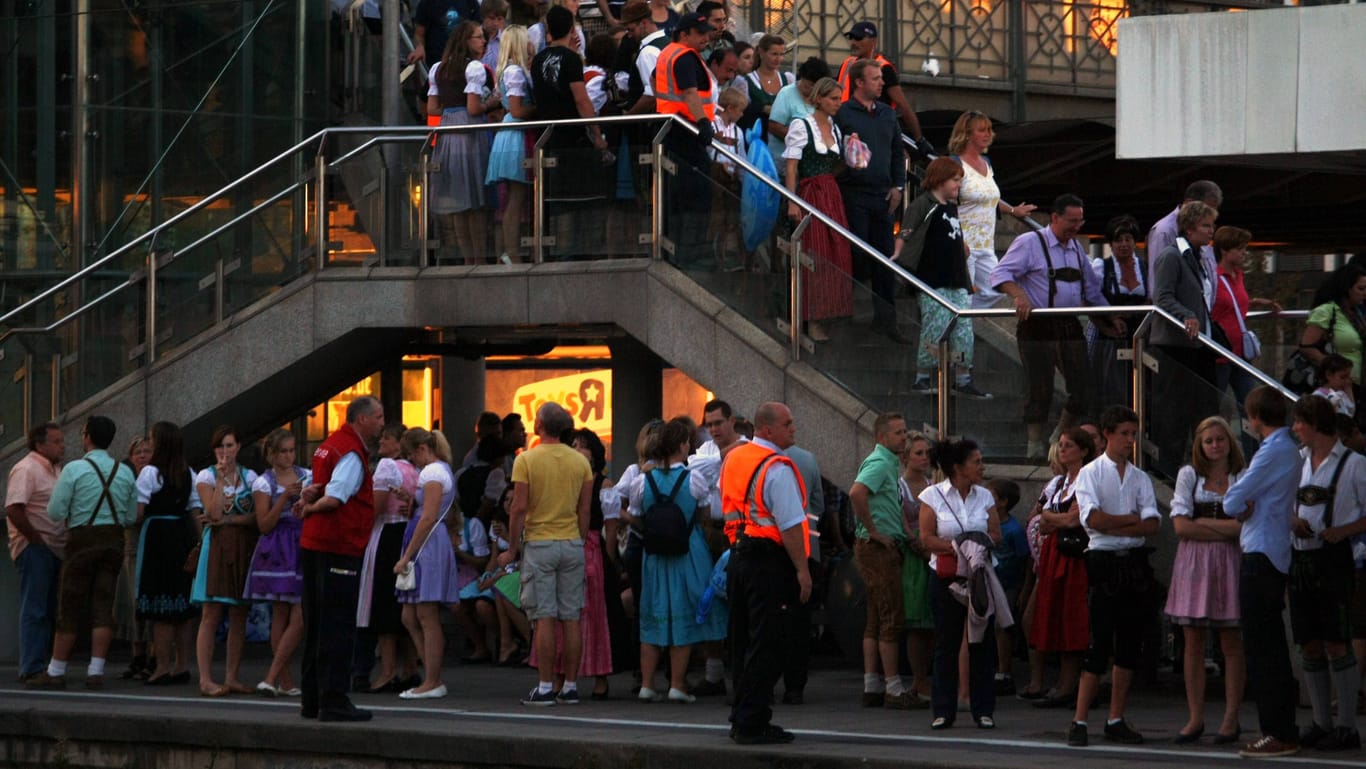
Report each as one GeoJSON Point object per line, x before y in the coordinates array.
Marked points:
{"type": "Point", "coordinates": [798, 137]}
{"type": "Point", "coordinates": [1190, 490]}
{"type": "Point", "coordinates": [150, 482]}
{"type": "Point", "coordinates": [955, 515]}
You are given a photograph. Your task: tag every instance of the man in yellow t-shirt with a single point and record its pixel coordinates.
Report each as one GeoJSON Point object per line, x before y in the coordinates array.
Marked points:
{"type": "Point", "coordinates": [548, 520]}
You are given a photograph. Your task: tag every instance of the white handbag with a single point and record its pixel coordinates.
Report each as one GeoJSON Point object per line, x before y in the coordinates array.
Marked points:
{"type": "Point", "coordinates": [407, 579]}
{"type": "Point", "coordinates": [1252, 344]}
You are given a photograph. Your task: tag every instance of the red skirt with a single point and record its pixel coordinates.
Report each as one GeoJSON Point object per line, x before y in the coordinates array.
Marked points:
{"type": "Point", "coordinates": [828, 292]}
{"type": "Point", "coordinates": [1061, 621]}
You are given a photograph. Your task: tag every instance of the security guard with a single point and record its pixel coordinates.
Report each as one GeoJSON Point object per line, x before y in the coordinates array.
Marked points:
{"type": "Point", "coordinates": [863, 43]}
{"type": "Point", "coordinates": [683, 86]}
{"type": "Point", "coordinates": [763, 497]}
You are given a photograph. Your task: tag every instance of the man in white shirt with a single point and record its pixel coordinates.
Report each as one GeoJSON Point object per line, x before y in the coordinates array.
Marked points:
{"type": "Point", "coordinates": [1327, 517]}
{"type": "Point", "coordinates": [1118, 509]}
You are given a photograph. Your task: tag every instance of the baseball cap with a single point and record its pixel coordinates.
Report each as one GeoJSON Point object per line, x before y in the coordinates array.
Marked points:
{"type": "Point", "coordinates": [692, 22]}
{"type": "Point", "coordinates": [862, 30]}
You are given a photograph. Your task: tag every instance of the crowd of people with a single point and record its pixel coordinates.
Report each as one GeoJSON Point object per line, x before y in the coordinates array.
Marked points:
{"type": "Point", "coordinates": [709, 546]}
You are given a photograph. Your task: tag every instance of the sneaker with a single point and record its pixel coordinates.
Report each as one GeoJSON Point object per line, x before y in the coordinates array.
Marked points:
{"type": "Point", "coordinates": [969, 390]}
{"type": "Point", "coordinates": [539, 699]}
{"type": "Point", "coordinates": [1268, 747]}
{"type": "Point", "coordinates": [769, 735]}
{"type": "Point", "coordinates": [923, 387]}
{"type": "Point", "coordinates": [710, 689]}
{"type": "Point", "coordinates": [570, 697]}
{"type": "Point", "coordinates": [873, 699]}
{"type": "Point", "coordinates": [1311, 735]}
{"type": "Point", "coordinates": [1076, 735]}
{"type": "Point", "coordinates": [1341, 738]}
{"type": "Point", "coordinates": [1122, 733]}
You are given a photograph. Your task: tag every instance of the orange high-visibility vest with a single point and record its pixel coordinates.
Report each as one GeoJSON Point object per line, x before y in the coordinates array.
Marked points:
{"type": "Point", "coordinates": [742, 494]}
{"type": "Point", "coordinates": [668, 96]}
{"type": "Point", "coordinates": [845, 80]}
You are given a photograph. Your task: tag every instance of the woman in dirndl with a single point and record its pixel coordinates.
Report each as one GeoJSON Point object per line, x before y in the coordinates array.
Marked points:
{"type": "Point", "coordinates": [462, 93]}
{"type": "Point", "coordinates": [1204, 590]}
{"type": "Point", "coordinates": [813, 151]}
{"type": "Point", "coordinates": [511, 147]}
{"type": "Point", "coordinates": [378, 609]}
{"type": "Point", "coordinates": [229, 520]}
{"type": "Point", "coordinates": [276, 574]}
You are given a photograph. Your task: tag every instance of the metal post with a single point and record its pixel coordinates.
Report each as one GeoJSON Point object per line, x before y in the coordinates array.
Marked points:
{"type": "Point", "coordinates": [1015, 51]}
{"type": "Point", "coordinates": [320, 207]}
{"type": "Point", "coordinates": [28, 393]}
{"type": "Point", "coordinates": [657, 193]}
{"type": "Point", "coordinates": [151, 346]}
{"type": "Point", "coordinates": [1140, 404]}
{"type": "Point", "coordinates": [424, 203]}
{"type": "Point", "coordinates": [538, 199]}
{"type": "Point", "coordinates": [218, 291]}
{"type": "Point", "coordinates": [797, 261]}
{"type": "Point", "coordinates": [81, 187]}
{"type": "Point", "coordinates": [392, 94]}
{"type": "Point", "coordinates": [381, 235]}
{"type": "Point", "coordinates": [944, 375]}
{"type": "Point", "coordinates": [56, 386]}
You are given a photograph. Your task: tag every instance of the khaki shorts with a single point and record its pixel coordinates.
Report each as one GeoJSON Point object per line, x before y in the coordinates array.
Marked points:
{"type": "Point", "coordinates": [90, 575]}
{"type": "Point", "coordinates": [552, 579]}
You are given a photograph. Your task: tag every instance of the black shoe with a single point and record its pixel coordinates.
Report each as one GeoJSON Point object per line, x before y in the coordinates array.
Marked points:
{"type": "Point", "coordinates": [1122, 733]}
{"type": "Point", "coordinates": [793, 697]}
{"type": "Point", "coordinates": [1183, 738]}
{"type": "Point", "coordinates": [351, 713]}
{"type": "Point", "coordinates": [1076, 735]}
{"type": "Point", "coordinates": [1005, 686]}
{"type": "Point", "coordinates": [136, 669]}
{"type": "Point", "coordinates": [709, 689]}
{"type": "Point", "coordinates": [768, 735]}
{"type": "Point", "coordinates": [1312, 735]}
{"type": "Point", "coordinates": [1340, 738]}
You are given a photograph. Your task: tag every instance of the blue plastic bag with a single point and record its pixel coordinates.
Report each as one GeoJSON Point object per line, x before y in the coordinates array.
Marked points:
{"type": "Point", "coordinates": [716, 587]}
{"type": "Point", "coordinates": [758, 202]}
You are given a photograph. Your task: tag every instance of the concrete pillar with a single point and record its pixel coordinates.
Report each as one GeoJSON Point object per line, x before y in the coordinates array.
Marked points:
{"type": "Point", "coordinates": [391, 390]}
{"type": "Point", "coordinates": [637, 397]}
{"type": "Point", "coordinates": [462, 400]}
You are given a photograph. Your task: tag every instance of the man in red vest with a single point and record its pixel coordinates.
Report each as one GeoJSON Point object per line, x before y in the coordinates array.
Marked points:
{"type": "Point", "coordinates": [767, 579]}
{"type": "Point", "coordinates": [863, 45]}
{"type": "Point", "coordinates": [338, 512]}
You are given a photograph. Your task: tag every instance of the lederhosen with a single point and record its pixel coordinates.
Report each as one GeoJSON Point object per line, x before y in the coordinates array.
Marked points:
{"type": "Point", "coordinates": [94, 556]}
{"type": "Point", "coordinates": [1068, 347]}
{"type": "Point", "coordinates": [1321, 580]}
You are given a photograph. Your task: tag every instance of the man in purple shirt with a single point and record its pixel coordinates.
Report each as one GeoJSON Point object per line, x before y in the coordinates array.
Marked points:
{"type": "Point", "coordinates": [1050, 268]}
{"type": "Point", "coordinates": [1164, 232]}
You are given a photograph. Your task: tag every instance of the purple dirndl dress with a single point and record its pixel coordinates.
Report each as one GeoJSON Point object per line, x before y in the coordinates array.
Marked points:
{"type": "Point", "coordinates": [276, 573]}
{"type": "Point", "coordinates": [434, 564]}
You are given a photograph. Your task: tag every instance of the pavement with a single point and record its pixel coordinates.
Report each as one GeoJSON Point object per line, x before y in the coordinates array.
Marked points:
{"type": "Point", "coordinates": [482, 723]}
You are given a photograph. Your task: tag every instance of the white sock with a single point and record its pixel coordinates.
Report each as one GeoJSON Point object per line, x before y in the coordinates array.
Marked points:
{"type": "Point", "coordinates": [96, 667]}
{"type": "Point", "coordinates": [570, 686]}
{"type": "Point", "coordinates": [894, 686]}
{"type": "Point", "coordinates": [716, 671]}
{"type": "Point", "coordinates": [545, 687]}
{"type": "Point", "coordinates": [56, 668]}
{"type": "Point", "coordinates": [872, 683]}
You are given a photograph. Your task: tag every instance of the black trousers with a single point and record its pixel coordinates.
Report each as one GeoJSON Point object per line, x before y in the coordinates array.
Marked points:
{"type": "Point", "coordinates": [1046, 344]}
{"type": "Point", "coordinates": [950, 617]}
{"type": "Point", "coordinates": [764, 604]}
{"type": "Point", "coordinates": [331, 589]}
{"type": "Point", "coordinates": [870, 220]}
{"type": "Point", "coordinates": [1261, 593]}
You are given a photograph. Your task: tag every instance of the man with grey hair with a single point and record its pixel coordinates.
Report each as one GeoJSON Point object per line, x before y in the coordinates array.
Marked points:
{"type": "Point", "coordinates": [548, 520]}
{"type": "Point", "coordinates": [338, 511]}
{"type": "Point", "coordinates": [1164, 231]}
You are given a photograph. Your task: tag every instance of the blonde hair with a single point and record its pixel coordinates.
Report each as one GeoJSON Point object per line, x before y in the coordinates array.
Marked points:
{"type": "Point", "coordinates": [512, 49]}
{"type": "Point", "coordinates": [732, 97]}
{"type": "Point", "coordinates": [432, 439]}
{"type": "Point", "coordinates": [962, 130]}
{"type": "Point", "coordinates": [272, 442]}
{"type": "Point", "coordinates": [1201, 463]}
{"type": "Point", "coordinates": [822, 87]}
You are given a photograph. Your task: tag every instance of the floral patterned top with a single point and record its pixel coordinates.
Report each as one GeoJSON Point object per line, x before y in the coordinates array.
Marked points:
{"type": "Point", "coordinates": [977, 202]}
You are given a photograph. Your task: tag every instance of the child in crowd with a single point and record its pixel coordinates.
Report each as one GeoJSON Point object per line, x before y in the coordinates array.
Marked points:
{"type": "Point", "coordinates": [725, 209]}
{"type": "Point", "coordinates": [1335, 372]}
{"type": "Point", "coordinates": [495, 19]}
{"type": "Point", "coordinates": [1012, 562]}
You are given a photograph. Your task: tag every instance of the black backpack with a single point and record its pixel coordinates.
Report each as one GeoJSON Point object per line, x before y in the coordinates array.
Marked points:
{"type": "Point", "coordinates": [469, 489]}
{"type": "Point", "coordinates": [667, 529]}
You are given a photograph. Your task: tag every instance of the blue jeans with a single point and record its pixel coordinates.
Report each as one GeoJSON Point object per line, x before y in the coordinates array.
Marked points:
{"type": "Point", "coordinates": [38, 569]}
